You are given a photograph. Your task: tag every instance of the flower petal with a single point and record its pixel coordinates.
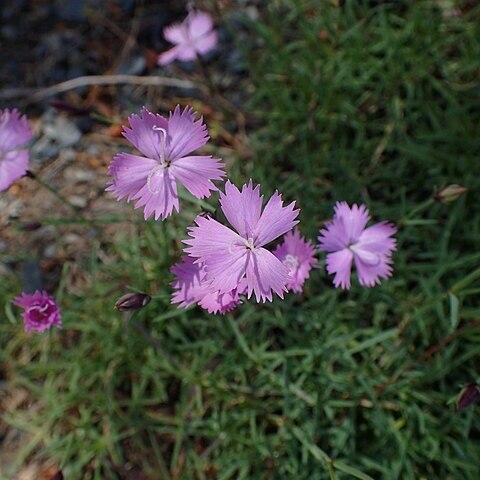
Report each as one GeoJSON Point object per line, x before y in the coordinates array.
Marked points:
{"type": "Point", "coordinates": [354, 219]}
{"type": "Point", "coordinates": [210, 237]}
{"type": "Point", "coordinates": [377, 238]}
{"type": "Point", "coordinates": [369, 273]}
{"type": "Point", "coordinates": [129, 174]}
{"type": "Point", "coordinates": [14, 130]}
{"type": "Point", "coordinates": [159, 196]}
{"type": "Point", "coordinates": [198, 25]}
{"type": "Point", "coordinates": [176, 33]}
{"type": "Point", "coordinates": [169, 56]}
{"type": "Point", "coordinates": [184, 133]}
{"type": "Point", "coordinates": [206, 43]}
{"type": "Point", "coordinates": [221, 250]}
{"type": "Point", "coordinates": [242, 209]}
{"type": "Point", "coordinates": [275, 220]}
{"type": "Point", "coordinates": [197, 172]}
{"type": "Point", "coordinates": [13, 165]}
{"type": "Point", "coordinates": [298, 255]}
{"type": "Point", "coordinates": [220, 302]}
{"type": "Point", "coordinates": [188, 282]}
{"type": "Point", "coordinates": [265, 273]}
{"type": "Point", "coordinates": [340, 263]}
{"type": "Point", "coordinates": [143, 135]}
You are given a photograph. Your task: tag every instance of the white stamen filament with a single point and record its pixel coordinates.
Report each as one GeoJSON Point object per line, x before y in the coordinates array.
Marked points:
{"type": "Point", "coordinates": [163, 139]}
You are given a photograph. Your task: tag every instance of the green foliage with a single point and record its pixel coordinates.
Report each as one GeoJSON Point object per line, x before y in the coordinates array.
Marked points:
{"type": "Point", "coordinates": [374, 105]}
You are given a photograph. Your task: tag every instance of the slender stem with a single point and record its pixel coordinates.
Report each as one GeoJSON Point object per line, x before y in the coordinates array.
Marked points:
{"type": "Point", "coordinates": [419, 208]}
{"type": "Point", "coordinates": [60, 197]}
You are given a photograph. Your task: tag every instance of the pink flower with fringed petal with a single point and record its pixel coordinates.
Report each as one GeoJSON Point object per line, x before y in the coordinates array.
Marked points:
{"type": "Point", "coordinates": [191, 288]}
{"type": "Point", "coordinates": [298, 255]}
{"type": "Point", "coordinates": [15, 132]}
{"type": "Point", "coordinates": [166, 143]}
{"type": "Point", "coordinates": [41, 311]}
{"type": "Point", "coordinates": [194, 36]}
{"type": "Point", "coordinates": [347, 240]}
{"type": "Point", "coordinates": [230, 256]}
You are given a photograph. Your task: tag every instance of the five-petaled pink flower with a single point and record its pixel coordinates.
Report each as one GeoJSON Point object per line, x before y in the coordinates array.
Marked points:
{"type": "Point", "coordinates": [40, 311]}
{"type": "Point", "coordinates": [228, 257]}
{"type": "Point", "coordinates": [15, 132]}
{"type": "Point", "coordinates": [191, 288]}
{"type": "Point", "coordinates": [298, 255]}
{"type": "Point", "coordinates": [194, 36]}
{"type": "Point", "coordinates": [152, 180]}
{"type": "Point", "coordinates": [346, 239]}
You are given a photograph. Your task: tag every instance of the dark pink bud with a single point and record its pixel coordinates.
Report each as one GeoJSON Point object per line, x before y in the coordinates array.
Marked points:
{"type": "Point", "coordinates": [450, 193]}
{"type": "Point", "coordinates": [132, 301]}
{"type": "Point", "coordinates": [468, 395]}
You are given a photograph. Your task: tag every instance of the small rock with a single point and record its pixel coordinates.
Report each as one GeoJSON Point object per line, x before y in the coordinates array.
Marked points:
{"type": "Point", "coordinates": [77, 175]}
{"type": "Point", "coordinates": [63, 131]}
{"type": "Point", "coordinates": [43, 149]}
{"type": "Point", "coordinates": [78, 201]}
{"type": "Point", "coordinates": [50, 251]}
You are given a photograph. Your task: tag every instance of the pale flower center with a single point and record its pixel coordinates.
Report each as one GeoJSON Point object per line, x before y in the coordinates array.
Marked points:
{"type": "Point", "coordinates": [291, 262]}
{"type": "Point", "coordinates": [368, 258]}
{"type": "Point", "coordinates": [247, 243]}
{"type": "Point", "coordinates": [154, 184]}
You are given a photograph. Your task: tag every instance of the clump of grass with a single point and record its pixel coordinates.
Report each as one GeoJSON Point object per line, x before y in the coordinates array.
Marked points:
{"type": "Point", "coordinates": [376, 105]}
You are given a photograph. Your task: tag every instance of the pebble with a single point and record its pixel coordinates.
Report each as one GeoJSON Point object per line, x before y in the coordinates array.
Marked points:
{"type": "Point", "coordinates": [63, 131]}
{"type": "Point", "coordinates": [78, 201]}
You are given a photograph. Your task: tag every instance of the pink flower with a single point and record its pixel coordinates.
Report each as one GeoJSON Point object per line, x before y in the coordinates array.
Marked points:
{"type": "Point", "coordinates": [151, 180]}
{"type": "Point", "coordinates": [347, 239]}
{"type": "Point", "coordinates": [229, 257]}
{"type": "Point", "coordinates": [298, 255]}
{"type": "Point", "coordinates": [191, 288]}
{"type": "Point", "coordinates": [195, 36]}
{"type": "Point", "coordinates": [14, 134]}
{"type": "Point", "coordinates": [40, 311]}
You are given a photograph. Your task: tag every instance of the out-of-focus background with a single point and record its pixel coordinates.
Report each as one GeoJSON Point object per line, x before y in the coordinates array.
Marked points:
{"type": "Point", "coordinates": [374, 102]}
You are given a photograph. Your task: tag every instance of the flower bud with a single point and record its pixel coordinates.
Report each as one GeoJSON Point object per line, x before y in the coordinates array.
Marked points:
{"type": "Point", "coordinates": [450, 193]}
{"type": "Point", "coordinates": [132, 301]}
{"type": "Point", "coordinates": [468, 395]}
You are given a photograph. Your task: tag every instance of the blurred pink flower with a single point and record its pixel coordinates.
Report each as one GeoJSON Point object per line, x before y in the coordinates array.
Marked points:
{"type": "Point", "coordinates": [40, 311]}
{"type": "Point", "coordinates": [15, 132]}
{"type": "Point", "coordinates": [194, 36]}
{"type": "Point", "coordinates": [166, 144]}
{"type": "Point", "coordinates": [346, 239]}
{"type": "Point", "coordinates": [298, 255]}
{"type": "Point", "coordinates": [229, 257]}
{"type": "Point", "coordinates": [191, 288]}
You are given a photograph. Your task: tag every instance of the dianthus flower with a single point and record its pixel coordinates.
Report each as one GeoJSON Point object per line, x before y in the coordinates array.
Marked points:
{"type": "Point", "coordinates": [298, 255]}
{"type": "Point", "coordinates": [40, 311]}
{"type": "Point", "coordinates": [194, 36]}
{"type": "Point", "coordinates": [346, 239]}
{"type": "Point", "coordinates": [15, 132]}
{"type": "Point", "coordinates": [230, 256]}
{"type": "Point", "coordinates": [191, 288]}
{"type": "Point", "coordinates": [152, 180]}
